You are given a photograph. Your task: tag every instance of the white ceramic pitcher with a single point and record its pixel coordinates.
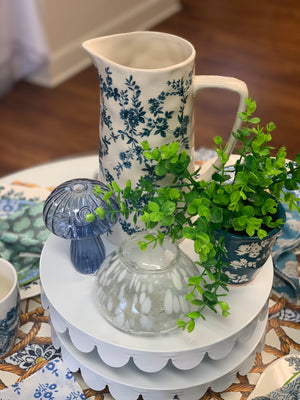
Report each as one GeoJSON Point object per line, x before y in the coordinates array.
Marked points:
{"type": "Point", "coordinates": [147, 89]}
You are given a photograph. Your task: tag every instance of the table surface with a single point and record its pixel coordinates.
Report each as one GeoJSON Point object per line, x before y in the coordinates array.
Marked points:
{"type": "Point", "coordinates": [56, 172]}
{"type": "Point", "coordinates": [283, 337]}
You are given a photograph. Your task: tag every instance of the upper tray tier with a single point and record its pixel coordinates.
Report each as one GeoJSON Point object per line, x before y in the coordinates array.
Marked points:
{"type": "Point", "coordinates": [72, 301]}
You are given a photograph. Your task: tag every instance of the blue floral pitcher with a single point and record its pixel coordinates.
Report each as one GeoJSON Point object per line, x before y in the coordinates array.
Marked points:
{"type": "Point", "coordinates": [147, 89]}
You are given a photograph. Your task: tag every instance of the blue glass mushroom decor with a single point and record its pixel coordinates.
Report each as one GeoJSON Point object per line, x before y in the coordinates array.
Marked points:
{"type": "Point", "coordinates": [64, 215]}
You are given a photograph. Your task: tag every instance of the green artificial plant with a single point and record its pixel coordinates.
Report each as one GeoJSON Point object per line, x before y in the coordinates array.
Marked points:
{"type": "Point", "coordinates": [241, 198]}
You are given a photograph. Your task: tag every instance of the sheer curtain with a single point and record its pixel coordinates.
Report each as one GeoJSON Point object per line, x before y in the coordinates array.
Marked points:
{"type": "Point", "coordinates": [23, 46]}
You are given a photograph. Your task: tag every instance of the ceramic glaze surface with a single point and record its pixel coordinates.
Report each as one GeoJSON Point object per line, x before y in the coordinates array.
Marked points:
{"type": "Point", "coordinates": [246, 255]}
{"type": "Point", "coordinates": [147, 88]}
{"type": "Point", "coordinates": [143, 292]}
{"type": "Point", "coordinates": [9, 306]}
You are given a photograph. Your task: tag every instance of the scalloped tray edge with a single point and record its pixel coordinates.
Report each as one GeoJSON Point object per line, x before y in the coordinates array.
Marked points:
{"type": "Point", "coordinates": [122, 391]}
{"type": "Point", "coordinates": [115, 357]}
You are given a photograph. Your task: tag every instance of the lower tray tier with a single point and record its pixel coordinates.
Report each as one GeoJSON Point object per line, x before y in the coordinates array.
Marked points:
{"type": "Point", "coordinates": [128, 382]}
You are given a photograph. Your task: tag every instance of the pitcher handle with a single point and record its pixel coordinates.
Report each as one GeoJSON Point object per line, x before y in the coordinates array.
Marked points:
{"type": "Point", "coordinates": [222, 82]}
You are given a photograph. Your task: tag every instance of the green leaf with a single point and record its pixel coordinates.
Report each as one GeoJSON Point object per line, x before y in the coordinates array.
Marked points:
{"type": "Point", "coordinates": [203, 212]}
{"type": "Point", "coordinates": [192, 209]}
{"type": "Point", "coordinates": [242, 220]}
{"type": "Point", "coordinates": [174, 147]}
{"type": "Point", "coordinates": [161, 169]}
{"type": "Point", "coordinates": [198, 246]}
{"type": "Point", "coordinates": [250, 230]}
{"type": "Point", "coordinates": [197, 302]}
{"type": "Point", "coordinates": [189, 232]}
{"type": "Point", "coordinates": [241, 178]}
{"type": "Point", "coordinates": [195, 280]}
{"type": "Point", "coordinates": [115, 186]}
{"type": "Point", "coordinates": [180, 218]}
{"type": "Point", "coordinates": [211, 275]}
{"type": "Point", "coordinates": [174, 194]}
{"type": "Point", "coordinates": [218, 140]}
{"type": "Point", "coordinates": [217, 215]}
{"type": "Point", "coordinates": [235, 196]}
{"type": "Point", "coordinates": [189, 296]}
{"type": "Point", "coordinates": [152, 206]}
{"type": "Point", "coordinates": [223, 305]}
{"type": "Point", "coordinates": [271, 126]}
{"type": "Point", "coordinates": [254, 120]}
{"type": "Point", "coordinates": [149, 237]}
{"type": "Point", "coordinates": [261, 233]}
{"type": "Point", "coordinates": [210, 296]}
{"type": "Point", "coordinates": [251, 105]}
{"type": "Point", "coordinates": [223, 157]}
{"type": "Point", "coordinates": [225, 313]}
{"type": "Point", "coordinates": [149, 155]}
{"type": "Point", "coordinates": [148, 185]}
{"type": "Point", "coordinates": [145, 217]}
{"type": "Point", "coordinates": [107, 196]}
{"type": "Point", "coordinates": [168, 207]}
{"type": "Point", "coordinates": [200, 290]}
{"type": "Point", "coordinates": [264, 152]}
{"type": "Point", "coordinates": [89, 217]}
{"type": "Point", "coordinates": [145, 145]}
{"type": "Point", "coordinates": [167, 220]}
{"type": "Point", "coordinates": [269, 206]}
{"type": "Point", "coordinates": [193, 314]}
{"type": "Point", "coordinates": [134, 218]}
{"type": "Point", "coordinates": [100, 212]}
{"type": "Point", "coordinates": [248, 211]}
{"type": "Point", "coordinates": [191, 326]}
{"type": "Point", "coordinates": [143, 245]}
{"type": "Point", "coordinates": [156, 216]}
{"type": "Point", "coordinates": [250, 162]}
{"type": "Point", "coordinates": [181, 324]}
{"type": "Point", "coordinates": [242, 116]}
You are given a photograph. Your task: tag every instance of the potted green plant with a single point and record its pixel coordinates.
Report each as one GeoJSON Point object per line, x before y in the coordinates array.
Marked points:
{"type": "Point", "coordinates": [242, 199]}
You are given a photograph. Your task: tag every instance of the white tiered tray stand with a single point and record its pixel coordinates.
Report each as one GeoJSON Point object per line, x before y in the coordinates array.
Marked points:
{"type": "Point", "coordinates": [157, 367]}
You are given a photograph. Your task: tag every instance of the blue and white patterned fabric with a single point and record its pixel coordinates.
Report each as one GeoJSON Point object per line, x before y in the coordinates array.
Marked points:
{"type": "Point", "coordinates": [286, 279]}
{"type": "Point", "coordinates": [53, 382]}
{"type": "Point", "coordinates": [290, 391]}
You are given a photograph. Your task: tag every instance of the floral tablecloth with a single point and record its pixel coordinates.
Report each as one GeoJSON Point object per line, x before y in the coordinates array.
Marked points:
{"type": "Point", "coordinates": [34, 349]}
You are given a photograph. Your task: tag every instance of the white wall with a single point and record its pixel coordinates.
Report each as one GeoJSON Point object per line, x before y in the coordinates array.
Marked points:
{"type": "Point", "coordinates": [67, 23]}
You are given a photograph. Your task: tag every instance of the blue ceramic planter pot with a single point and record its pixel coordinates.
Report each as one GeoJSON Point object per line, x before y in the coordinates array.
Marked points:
{"type": "Point", "coordinates": [246, 255]}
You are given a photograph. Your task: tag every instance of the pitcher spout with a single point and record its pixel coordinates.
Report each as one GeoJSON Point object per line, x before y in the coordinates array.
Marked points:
{"type": "Point", "coordinates": [93, 48]}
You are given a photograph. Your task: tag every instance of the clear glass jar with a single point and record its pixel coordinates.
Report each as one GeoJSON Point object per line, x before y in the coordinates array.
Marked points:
{"type": "Point", "coordinates": [143, 292]}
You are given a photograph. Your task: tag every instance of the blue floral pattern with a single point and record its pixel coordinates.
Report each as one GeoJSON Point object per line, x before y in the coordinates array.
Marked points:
{"type": "Point", "coordinates": [130, 116]}
{"type": "Point", "coordinates": [53, 382]}
{"type": "Point", "coordinates": [245, 255]}
{"type": "Point", "coordinates": [291, 389]}
{"type": "Point", "coordinates": [29, 355]}
{"type": "Point", "coordinates": [8, 328]}
{"type": "Point", "coordinates": [286, 279]}
{"type": "Point", "coordinates": [139, 121]}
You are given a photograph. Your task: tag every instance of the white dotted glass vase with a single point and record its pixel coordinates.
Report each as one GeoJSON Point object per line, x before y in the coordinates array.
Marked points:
{"type": "Point", "coordinates": [143, 292]}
